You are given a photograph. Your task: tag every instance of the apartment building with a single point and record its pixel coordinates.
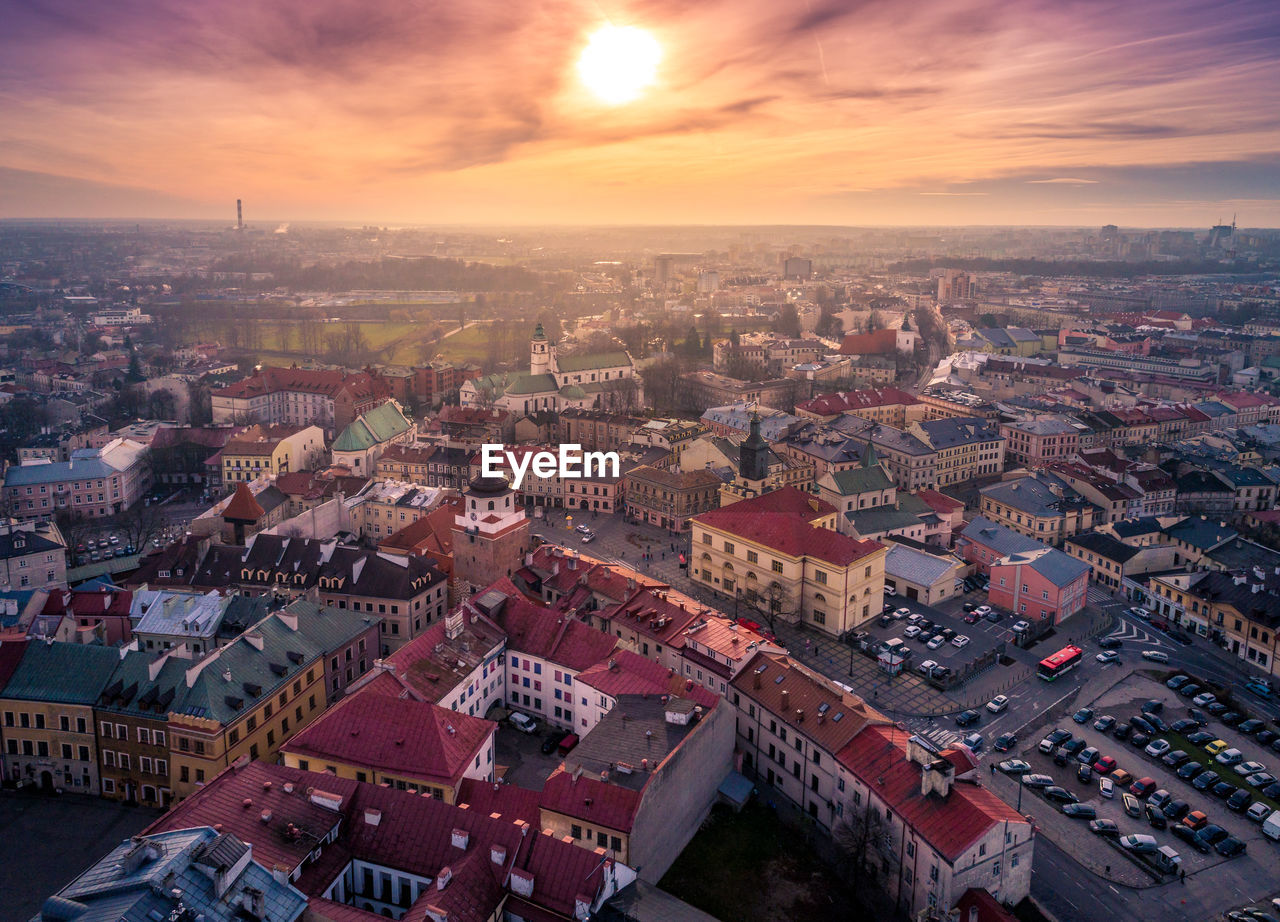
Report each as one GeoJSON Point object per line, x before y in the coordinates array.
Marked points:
{"type": "Point", "coordinates": [1037, 442]}
{"type": "Point", "coordinates": [32, 555]}
{"type": "Point", "coordinates": [669, 498]}
{"type": "Point", "coordinates": [967, 448]}
{"type": "Point", "coordinates": [271, 451]}
{"type": "Point", "coordinates": [299, 397]}
{"type": "Point", "coordinates": [791, 725]}
{"type": "Point", "coordinates": [48, 709]}
{"type": "Point", "coordinates": [1039, 507]}
{"type": "Point", "coordinates": [95, 483]}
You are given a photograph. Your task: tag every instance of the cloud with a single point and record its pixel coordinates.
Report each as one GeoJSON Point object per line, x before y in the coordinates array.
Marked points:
{"type": "Point", "coordinates": [952, 193]}
{"type": "Point", "coordinates": [1063, 181]}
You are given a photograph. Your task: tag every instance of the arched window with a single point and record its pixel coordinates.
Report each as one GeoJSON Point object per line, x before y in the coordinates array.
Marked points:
{"type": "Point", "coordinates": [490, 505]}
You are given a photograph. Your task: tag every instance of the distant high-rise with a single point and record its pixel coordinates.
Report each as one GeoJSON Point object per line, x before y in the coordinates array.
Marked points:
{"type": "Point", "coordinates": [955, 285]}
{"type": "Point", "coordinates": [797, 267]}
{"type": "Point", "coordinates": [239, 216]}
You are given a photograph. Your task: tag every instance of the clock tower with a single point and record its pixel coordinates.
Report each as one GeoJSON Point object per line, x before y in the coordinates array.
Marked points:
{"type": "Point", "coordinates": [491, 534]}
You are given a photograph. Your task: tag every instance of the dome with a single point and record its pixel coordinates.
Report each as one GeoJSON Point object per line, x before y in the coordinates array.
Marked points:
{"type": "Point", "coordinates": [489, 486]}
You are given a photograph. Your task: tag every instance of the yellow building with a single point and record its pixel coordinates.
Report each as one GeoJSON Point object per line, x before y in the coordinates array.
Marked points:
{"type": "Point", "coordinates": [1233, 608]}
{"type": "Point", "coordinates": [247, 698]}
{"type": "Point", "coordinates": [271, 450]}
{"type": "Point", "coordinates": [780, 554]}
{"type": "Point", "coordinates": [375, 736]}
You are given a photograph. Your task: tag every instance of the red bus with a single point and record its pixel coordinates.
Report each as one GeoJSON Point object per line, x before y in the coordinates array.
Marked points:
{"type": "Point", "coordinates": [1061, 662]}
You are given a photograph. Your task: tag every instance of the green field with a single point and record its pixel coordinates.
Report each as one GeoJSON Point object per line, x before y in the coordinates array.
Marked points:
{"type": "Point", "coordinates": [389, 342]}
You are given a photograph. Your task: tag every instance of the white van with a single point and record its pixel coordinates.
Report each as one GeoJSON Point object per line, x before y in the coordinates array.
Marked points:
{"type": "Point", "coordinates": [1158, 656]}
{"type": "Point", "coordinates": [1271, 826]}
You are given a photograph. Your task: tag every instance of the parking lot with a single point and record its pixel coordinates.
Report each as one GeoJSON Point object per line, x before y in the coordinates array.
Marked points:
{"type": "Point", "coordinates": [1258, 866]}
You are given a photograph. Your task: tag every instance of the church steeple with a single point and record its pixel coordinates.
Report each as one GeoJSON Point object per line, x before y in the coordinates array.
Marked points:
{"type": "Point", "coordinates": [753, 460]}
{"type": "Point", "coordinates": [539, 352]}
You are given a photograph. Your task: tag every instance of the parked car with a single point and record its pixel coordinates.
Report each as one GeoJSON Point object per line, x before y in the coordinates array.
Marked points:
{"type": "Point", "coordinates": [998, 703]}
{"type": "Point", "coordinates": [960, 641]}
{"type": "Point", "coordinates": [1185, 833]}
{"type": "Point", "coordinates": [1142, 787]}
{"type": "Point", "coordinates": [1212, 834]}
{"type": "Point", "coordinates": [1188, 770]}
{"type": "Point", "coordinates": [1037, 781]}
{"type": "Point", "coordinates": [1157, 748]}
{"type": "Point", "coordinates": [1131, 805]}
{"type": "Point", "coordinates": [1251, 726]}
{"type": "Point", "coordinates": [1156, 721]}
{"type": "Point", "coordinates": [1239, 801]}
{"type": "Point", "coordinates": [1160, 798]}
{"type": "Point", "coordinates": [935, 642]}
{"type": "Point", "coordinates": [1141, 724]}
{"type": "Point", "coordinates": [1176, 758]}
{"type": "Point", "coordinates": [1060, 757]}
{"type": "Point", "coordinates": [1230, 847]}
{"type": "Point", "coordinates": [1184, 726]}
{"type": "Point", "coordinates": [523, 723]}
{"type": "Point", "coordinates": [974, 741]}
{"type": "Point", "coordinates": [1088, 755]}
{"type": "Point", "coordinates": [1229, 757]}
{"type": "Point", "coordinates": [1005, 741]}
{"type": "Point", "coordinates": [1060, 794]}
{"type": "Point", "coordinates": [1138, 843]}
{"type": "Point", "coordinates": [911, 632]}
{"type": "Point", "coordinates": [1175, 810]}
{"type": "Point", "coordinates": [1231, 718]}
{"type": "Point", "coordinates": [1249, 768]}
{"type": "Point", "coordinates": [927, 667]}
{"type": "Point", "coordinates": [1200, 717]}
{"type": "Point", "coordinates": [1104, 827]}
{"type": "Point", "coordinates": [1107, 788]}
{"type": "Point", "coordinates": [1014, 767]}
{"type": "Point", "coordinates": [1176, 682]}
{"type": "Point", "coordinates": [1107, 656]}
{"type": "Point", "coordinates": [1153, 706]}
{"type": "Point", "coordinates": [1200, 737]}
{"type": "Point", "coordinates": [1264, 737]}
{"type": "Point", "coordinates": [1156, 656]}
{"type": "Point", "coordinates": [1258, 812]}
{"type": "Point", "coordinates": [1104, 765]}
{"type": "Point", "coordinates": [1056, 737]}
{"type": "Point", "coordinates": [1205, 780]}
{"type": "Point", "coordinates": [1195, 819]}
{"type": "Point", "coordinates": [1203, 699]}
{"type": "Point", "coordinates": [1189, 690]}
{"type": "Point", "coordinates": [1073, 745]}
{"type": "Point", "coordinates": [1121, 732]}
{"type": "Point", "coordinates": [1080, 811]}
{"type": "Point", "coordinates": [1216, 708]}
{"type": "Point", "coordinates": [1156, 818]}
{"type": "Point", "coordinates": [552, 741]}
{"type": "Point", "coordinates": [1104, 723]}
{"type": "Point", "coordinates": [1084, 774]}
{"type": "Point", "coordinates": [983, 610]}
{"type": "Point", "coordinates": [1138, 740]}
{"type": "Point", "coordinates": [900, 613]}
{"type": "Point", "coordinates": [1020, 627]}
{"type": "Point", "coordinates": [1216, 747]}
{"type": "Point", "coordinates": [1122, 778]}
{"type": "Point", "coordinates": [1082, 715]}
{"type": "Point", "coordinates": [1260, 779]}
{"type": "Point", "coordinates": [1223, 790]}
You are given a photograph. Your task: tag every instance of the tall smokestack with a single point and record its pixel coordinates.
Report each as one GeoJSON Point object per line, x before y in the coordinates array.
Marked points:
{"type": "Point", "coordinates": [239, 216]}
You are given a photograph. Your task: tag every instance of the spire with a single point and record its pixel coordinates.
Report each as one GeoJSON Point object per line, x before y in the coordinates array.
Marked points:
{"type": "Point", "coordinates": [869, 458]}
{"type": "Point", "coordinates": [753, 455]}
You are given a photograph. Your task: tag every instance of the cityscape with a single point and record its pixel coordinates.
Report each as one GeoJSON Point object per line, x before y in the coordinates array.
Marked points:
{"type": "Point", "coordinates": [647, 479]}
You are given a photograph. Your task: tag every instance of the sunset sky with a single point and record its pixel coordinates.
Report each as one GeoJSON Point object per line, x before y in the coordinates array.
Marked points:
{"type": "Point", "coordinates": [1137, 112]}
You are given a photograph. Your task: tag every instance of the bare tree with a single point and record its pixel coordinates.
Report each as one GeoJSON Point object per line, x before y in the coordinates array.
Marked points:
{"type": "Point", "coordinates": [862, 836]}
{"type": "Point", "coordinates": [140, 523]}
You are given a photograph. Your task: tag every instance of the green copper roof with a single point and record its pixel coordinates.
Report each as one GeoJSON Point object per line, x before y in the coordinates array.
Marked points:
{"type": "Point", "coordinates": [525, 383]}
{"type": "Point", "coordinates": [381, 424]}
{"type": "Point", "coordinates": [572, 392]}
{"type": "Point", "coordinates": [592, 362]}
{"type": "Point", "coordinates": [861, 480]}
{"type": "Point", "coordinates": [538, 332]}
{"type": "Point", "coordinates": [66, 673]}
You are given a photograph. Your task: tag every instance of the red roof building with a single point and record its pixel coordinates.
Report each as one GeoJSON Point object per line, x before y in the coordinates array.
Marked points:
{"type": "Point", "coordinates": [887, 405]}
{"type": "Point", "coordinates": [99, 615]}
{"type": "Point", "coordinates": [407, 744]}
{"type": "Point", "coordinates": [435, 860]}
{"type": "Point", "coordinates": [942, 823]}
{"type": "Point", "coordinates": [877, 342]}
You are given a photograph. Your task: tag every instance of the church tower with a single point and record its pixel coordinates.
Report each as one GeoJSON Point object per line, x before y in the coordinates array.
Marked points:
{"type": "Point", "coordinates": [539, 352]}
{"type": "Point", "coordinates": [491, 534]}
{"type": "Point", "coordinates": [753, 467]}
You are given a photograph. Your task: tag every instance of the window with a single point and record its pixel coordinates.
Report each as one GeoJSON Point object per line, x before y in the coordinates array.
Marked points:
{"type": "Point", "coordinates": [753, 557]}
{"type": "Point", "coordinates": [777, 566]}
{"type": "Point", "coordinates": [820, 576]}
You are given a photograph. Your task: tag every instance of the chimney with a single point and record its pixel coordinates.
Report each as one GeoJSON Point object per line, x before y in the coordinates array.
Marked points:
{"type": "Point", "coordinates": [498, 854]}
{"type": "Point", "coordinates": [372, 817]}
{"type": "Point", "coordinates": [460, 839]}
{"type": "Point", "coordinates": [521, 882]}
{"type": "Point", "coordinates": [582, 907]}
{"type": "Point", "coordinates": [786, 701]}
{"type": "Point", "coordinates": [443, 878]}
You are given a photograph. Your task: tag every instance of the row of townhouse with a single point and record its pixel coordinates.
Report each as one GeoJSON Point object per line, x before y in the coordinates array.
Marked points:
{"type": "Point", "coordinates": [136, 727]}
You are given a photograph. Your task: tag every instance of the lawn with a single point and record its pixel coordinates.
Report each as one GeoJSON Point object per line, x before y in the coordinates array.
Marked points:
{"type": "Point", "coordinates": [750, 867]}
{"type": "Point", "coordinates": [285, 340]}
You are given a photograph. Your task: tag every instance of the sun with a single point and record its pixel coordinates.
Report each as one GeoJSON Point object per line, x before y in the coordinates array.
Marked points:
{"type": "Point", "coordinates": [619, 63]}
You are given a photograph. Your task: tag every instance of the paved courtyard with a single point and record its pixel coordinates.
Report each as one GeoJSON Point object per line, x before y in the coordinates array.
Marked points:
{"type": "Point", "coordinates": [46, 841]}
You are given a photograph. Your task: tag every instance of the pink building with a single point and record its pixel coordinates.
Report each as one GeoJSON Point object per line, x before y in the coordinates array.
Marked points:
{"type": "Point", "coordinates": [1037, 442]}
{"type": "Point", "coordinates": [1041, 585]}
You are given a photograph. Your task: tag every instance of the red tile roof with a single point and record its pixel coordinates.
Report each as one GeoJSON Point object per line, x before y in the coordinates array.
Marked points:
{"type": "Point", "coordinates": [509, 801]}
{"type": "Point", "coordinates": [853, 401]}
{"type": "Point", "coordinates": [877, 342]}
{"type": "Point", "coordinates": [407, 738]}
{"type": "Point", "coordinates": [431, 675]}
{"type": "Point", "coordinates": [243, 507]}
{"type": "Point", "coordinates": [939, 502]}
{"type": "Point", "coordinates": [987, 906]}
{"type": "Point", "coordinates": [780, 520]}
{"type": "Point", "coordinates": [591, 800]}
{"type": "Point", "coordinates": [550, 635]}
{"type": "Point", "coordinates": [627, 673]}
{"type": "Point", "coordinates": [878, 757]}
